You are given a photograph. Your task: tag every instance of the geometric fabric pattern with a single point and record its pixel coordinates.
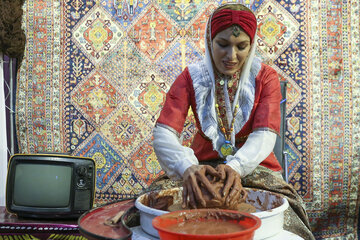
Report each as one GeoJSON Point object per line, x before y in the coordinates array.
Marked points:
{"type": "Point", "coordinates": [95, 75]}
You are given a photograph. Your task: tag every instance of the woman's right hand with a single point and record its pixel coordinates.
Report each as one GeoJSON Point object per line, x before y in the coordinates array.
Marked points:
{"type": "Point", "coordinates": [193, 177]}
{"type": "Point", "coordinates": [233, 190]}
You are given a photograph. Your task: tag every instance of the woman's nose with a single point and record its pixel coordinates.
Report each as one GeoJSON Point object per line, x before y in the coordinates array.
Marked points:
{"type": "Point", "coordinates": [231, 53]}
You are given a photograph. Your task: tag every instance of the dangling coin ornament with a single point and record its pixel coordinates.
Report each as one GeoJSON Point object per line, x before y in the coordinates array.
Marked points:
{"type": "Point", "coordinates": [226, 149]}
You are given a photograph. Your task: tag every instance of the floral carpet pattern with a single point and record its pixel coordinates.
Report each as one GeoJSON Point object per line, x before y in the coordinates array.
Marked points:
{"type": "Point", "coordinates": [95, 75]}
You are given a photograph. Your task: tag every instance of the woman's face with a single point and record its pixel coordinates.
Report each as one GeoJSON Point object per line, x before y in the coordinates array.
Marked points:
{"type": "Point", "coordinates": [229, 51]}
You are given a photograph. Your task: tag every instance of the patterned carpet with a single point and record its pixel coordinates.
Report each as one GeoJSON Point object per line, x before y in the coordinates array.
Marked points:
{"type": "Point", "coordinates": [95, 74]}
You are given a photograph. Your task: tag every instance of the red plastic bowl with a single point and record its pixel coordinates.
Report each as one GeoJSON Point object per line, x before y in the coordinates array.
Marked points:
{"type": "Point", "coordinates": [214, 220]}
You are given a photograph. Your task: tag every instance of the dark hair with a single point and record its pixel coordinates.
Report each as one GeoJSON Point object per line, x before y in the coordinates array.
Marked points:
{"type": "Point", "coordinates": [233, 6]}
{"type": "Point", "coordinates": [12, 36]}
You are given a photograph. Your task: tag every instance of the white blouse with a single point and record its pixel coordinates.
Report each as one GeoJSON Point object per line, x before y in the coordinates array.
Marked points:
{"type": "Point", "coordinates": [175, 158]}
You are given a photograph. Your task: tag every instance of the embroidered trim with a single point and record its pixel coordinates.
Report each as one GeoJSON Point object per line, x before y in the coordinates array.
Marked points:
{"type": "Point", "coordinates": [266, 129]}
{"type": "Point", "coordinates": [205, 103]}
{"type": "Point", "coordinates": [168, 128]}
{"type": "Point", "coordinates": [237, 141]}
{"type": "Point", "coordinates": [241, 139]}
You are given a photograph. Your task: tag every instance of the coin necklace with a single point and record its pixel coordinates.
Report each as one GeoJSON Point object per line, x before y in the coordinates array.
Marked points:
{"type": "Point", "coordinates": [227, 148]}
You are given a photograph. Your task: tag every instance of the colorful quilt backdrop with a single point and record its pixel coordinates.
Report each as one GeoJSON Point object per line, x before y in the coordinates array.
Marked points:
{"type": "Point", "coordinates": [95, 75]}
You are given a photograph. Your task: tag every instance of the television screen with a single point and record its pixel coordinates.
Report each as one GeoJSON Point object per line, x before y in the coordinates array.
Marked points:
{"type": "Point", "coordinates": [50, 185]}
{"type": "Point", "coordinates": [54, 192]}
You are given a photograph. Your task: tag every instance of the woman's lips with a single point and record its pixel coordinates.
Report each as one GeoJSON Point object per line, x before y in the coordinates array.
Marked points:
{"type": "Point", "coordinates": [229, 65]}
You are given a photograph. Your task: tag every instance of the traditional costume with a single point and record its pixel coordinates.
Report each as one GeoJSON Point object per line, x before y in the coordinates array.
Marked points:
{"type": "Point", "coordinates": [237, 117]}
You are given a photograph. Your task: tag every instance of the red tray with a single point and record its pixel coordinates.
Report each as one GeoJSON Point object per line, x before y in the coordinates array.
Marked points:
{"type": "Point", "coordinates": [92, 224]}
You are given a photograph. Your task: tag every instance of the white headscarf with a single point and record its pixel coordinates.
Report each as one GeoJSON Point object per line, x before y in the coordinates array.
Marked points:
{"type": "Point", "coordinates": [203, 78]}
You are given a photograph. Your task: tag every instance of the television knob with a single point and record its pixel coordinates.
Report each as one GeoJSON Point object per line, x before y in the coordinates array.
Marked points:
{"type": "Point", "coordinates": [81, 182]}
{"type": "Point", "coordinates": [81, 171]}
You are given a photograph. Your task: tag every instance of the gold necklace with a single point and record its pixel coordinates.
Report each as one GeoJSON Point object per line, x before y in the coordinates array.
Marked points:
{"type": "Point", "coordinates": [227, 148]}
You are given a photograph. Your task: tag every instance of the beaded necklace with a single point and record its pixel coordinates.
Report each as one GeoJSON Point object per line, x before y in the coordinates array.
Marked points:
{"type": "Point", "coordinates": [227, 148]}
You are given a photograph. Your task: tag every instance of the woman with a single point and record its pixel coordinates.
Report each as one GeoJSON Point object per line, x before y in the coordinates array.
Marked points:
{"type": "Point", "coordinates": [236, 103]}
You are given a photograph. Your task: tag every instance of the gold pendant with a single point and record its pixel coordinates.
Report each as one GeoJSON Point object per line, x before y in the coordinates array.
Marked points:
{"type": "Point", "coordinates": [226, 149]}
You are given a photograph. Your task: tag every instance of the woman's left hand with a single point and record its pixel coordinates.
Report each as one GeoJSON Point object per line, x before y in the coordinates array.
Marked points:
{"type": "Point", "coordinates": [233, 189]}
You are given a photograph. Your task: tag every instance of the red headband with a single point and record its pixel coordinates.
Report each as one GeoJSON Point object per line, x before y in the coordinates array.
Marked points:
{"type": "Point", "coordinates": [227, 17]}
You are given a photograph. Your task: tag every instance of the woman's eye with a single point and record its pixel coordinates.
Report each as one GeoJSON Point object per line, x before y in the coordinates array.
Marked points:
{"type": "Point", "coordinates": [222, 44]}
{"type": "Point", "coordinates": [241, 47]}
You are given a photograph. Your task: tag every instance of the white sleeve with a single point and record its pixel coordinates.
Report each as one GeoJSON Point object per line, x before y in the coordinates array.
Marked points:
{"type": "Point", "coordinates": [172, 156]}
{"type": "Point", "coordinates": [256, 148]}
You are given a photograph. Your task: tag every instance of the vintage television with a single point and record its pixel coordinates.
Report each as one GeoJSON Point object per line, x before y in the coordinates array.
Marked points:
{"type": "Point", "coordinates": [50, 185]}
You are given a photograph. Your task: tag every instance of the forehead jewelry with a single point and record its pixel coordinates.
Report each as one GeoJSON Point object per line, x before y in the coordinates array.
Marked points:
{"type": "Point", "coordinates": [236, 30]}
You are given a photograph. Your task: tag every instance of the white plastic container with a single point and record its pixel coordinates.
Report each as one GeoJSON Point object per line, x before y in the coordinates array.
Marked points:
{"type": "Point", "coordinates": [270, 209]}
{"type": "Point", "coordinates": [271, 213]}
{"type": "Point", "coordinates": [147, 214]}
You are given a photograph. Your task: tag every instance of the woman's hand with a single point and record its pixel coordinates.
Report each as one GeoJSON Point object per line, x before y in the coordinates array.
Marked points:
{"type": "Point", "coordinates": [193, 177]}
{"type": "Point", "coordinates": [233, 190]}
